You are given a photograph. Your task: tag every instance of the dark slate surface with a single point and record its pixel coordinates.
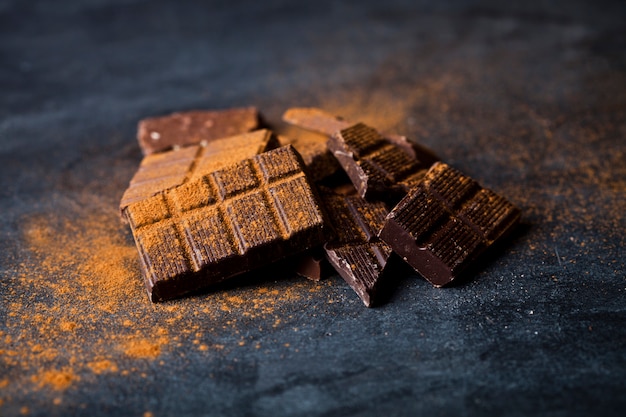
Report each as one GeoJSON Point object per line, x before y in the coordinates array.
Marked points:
{"type": "Point", "coordinates": [530, 99]}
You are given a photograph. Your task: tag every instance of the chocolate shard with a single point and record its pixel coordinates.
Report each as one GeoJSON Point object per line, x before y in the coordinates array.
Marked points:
{"type": "Point", "coordinates": [317, 120]}
{"type": "Point", "coordinates": [445, 222]}
{"type": "Point", "coordinates": [158, 134]}
{"type": "Point", "coordinates": [159, 172]}
{"type": "Point", "coordinates": [355, 252]}
{"type": "Point", "coordinates": [224, 223]}
{"type": "Point", "coordinates": [377, 167]}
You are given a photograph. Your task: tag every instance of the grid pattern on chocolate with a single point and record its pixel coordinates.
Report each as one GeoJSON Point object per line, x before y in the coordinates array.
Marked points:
{"type": "Point", "coordinates": [220, 215]}
{"type": "Point", "coordinates": [364, 261]}
{"type": "Point", "coordinates": [353, 219]}
{"type": "Point", "coordinates": [369, 215]}
{"type": "Point", "coordinates": [161, 171]}
{"type": "Point", "coordinates": [362, 140]}
{"type": "Point", "coordinates": [450, 216]}
{"type": "Point", "coordinates": [384, 164]}
{"type": "Point", "coordinates": [356, 252]}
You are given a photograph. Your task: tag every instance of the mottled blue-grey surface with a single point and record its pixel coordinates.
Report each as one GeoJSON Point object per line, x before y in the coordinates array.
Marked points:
{"type": "Point", "coordinates": [528, 98]}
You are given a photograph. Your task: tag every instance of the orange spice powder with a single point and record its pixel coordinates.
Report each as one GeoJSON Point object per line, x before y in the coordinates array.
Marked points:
{"type": "Point", "coordinates": [77, 307]}
{"type": "Point", "coordinates": [56, 379]}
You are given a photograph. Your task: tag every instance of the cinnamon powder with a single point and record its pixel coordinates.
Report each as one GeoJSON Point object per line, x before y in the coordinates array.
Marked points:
{"type": "Point", "coordinates": [55, 379]}
{"type": "Point", "coordinates": [77, 307]}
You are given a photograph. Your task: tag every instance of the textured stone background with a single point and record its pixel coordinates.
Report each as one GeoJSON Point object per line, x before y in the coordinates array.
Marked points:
{"type": "Point", "coordinates": [530, 99]}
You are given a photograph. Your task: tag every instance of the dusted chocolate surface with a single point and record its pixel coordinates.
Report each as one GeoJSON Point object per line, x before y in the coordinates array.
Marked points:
{"type": "Point", "coordinates": [233, 220]}
{"type": "Point", "coordinates": [158, 134]}
{"type": "Point", "coordinates": [164, 170]}
{"type": "Point", "coordinates": [527, 98]}
{"type": "Point", "coordinates": [312, 147]}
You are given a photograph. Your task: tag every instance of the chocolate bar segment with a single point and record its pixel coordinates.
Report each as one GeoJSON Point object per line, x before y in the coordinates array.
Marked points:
{"type": "Point", "coordinates": [445, 222]}
{"type": "Point", "coordinates": [221, 224]}
{"type": "Point", "coordinates": [312, 147]}
{"type": "Point", "coordinates": [355, 252]}
{"type": "Point", "coordinates": [159, 172]}
{"type": "Point", "coordinates": [158, 134]}
{"type": "Point", "coordinates": [377, 167]}
{"type": "Point", "coordinates": [317, 120]}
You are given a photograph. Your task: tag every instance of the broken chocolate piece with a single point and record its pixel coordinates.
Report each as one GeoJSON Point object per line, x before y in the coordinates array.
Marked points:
{"type": "Point", "coordinates": [157, 134]}
{"type": "Point", "coordinates": [445, 222]}
{"type": "Point", "coordinates": [317, 120]}
{"type": "Point", "coordinates": [312, 265]}
{"type": "Point", "coordinates": [161, 171]}
{"type": "Point", "coordinates": [221, 224]}
{"type": "Point", "coordinates": [355, 251]}
{"type": "Point", "coordinates": [319, 161]}
{"type": "Point", "coordinates": [377, 167]}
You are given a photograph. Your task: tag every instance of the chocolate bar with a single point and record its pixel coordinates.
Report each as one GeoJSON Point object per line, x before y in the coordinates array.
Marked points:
{"type": "Point", "coordinates": [377, 167]}
{"type": "Point", "coordinates": [158, 172]}
{"type": "Point", "coordinates": [317, 120]}
{"type": "Point", "coordinates": [158, 134]}
{"type": "Point", "coordinates": [224, 223]}
{"type": "Point", "coordinates": [445, 222]}
{"type": "Point", "coordinates": [355, 251]}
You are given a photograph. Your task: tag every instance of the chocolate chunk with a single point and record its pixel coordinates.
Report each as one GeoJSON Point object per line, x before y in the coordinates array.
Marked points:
{"type": "Point", "coordinates": [445, 222]}
{"type": "Point", "coordinates": [161, 171]}
{"type": "Point", "coordinates": [311, 265]}
{"type": "Point", "coordinates": [377, 167]}
{"type": "Point", "coordinates": [318, 120]}
{"type": "Point", "coordinates": [221, 224]}
{"type": "Point", "coordinates": [157, 134]}
{"type": "Point", "coordinates": [312, 147]}
{"type": "Point", "coordinates": [315, 119]}
{"type": "Point", "coordinates": [355, 251]}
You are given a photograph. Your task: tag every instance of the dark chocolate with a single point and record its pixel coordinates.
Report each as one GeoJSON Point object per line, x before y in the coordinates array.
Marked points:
{"type": "Point", "coordinates": [159, 172]}
{"type": "Point", "coordinates": [158, 134]}
{"type": "Point", "coordinates": [317, 120]}
{"type": "Point", "coordinates": [355, 251]}
{"type": "Point", "coordinates": [312, 265]}
{"type": "Point", "coordinates": [445, 222]}
{"type": "Point", "coordinates": [377, 167]}
{"type": "Point", "coordinates": [319, 161]}
{"type": "Point", "coordinates": [221, 224]}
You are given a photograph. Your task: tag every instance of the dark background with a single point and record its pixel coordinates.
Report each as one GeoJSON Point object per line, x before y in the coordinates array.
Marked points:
{"type": "Point", "coordinates": [528, 98]}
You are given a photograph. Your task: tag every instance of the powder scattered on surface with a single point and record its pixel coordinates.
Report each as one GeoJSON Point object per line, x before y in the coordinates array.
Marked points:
{"type": "Point", "coordinates": [55, 379]}
{"type": "Point", "coordinates": [79, 311]}
{"type": "Point", "coordinates": [101, 366]}
{"type": "Point", "coordinates": [142, 348]}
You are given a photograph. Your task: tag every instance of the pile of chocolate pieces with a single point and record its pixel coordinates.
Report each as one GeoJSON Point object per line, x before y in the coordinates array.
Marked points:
{"type": "Point", "coordinates": [216, 195]}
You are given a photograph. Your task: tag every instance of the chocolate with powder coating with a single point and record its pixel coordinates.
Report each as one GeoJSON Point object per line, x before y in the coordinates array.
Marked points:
{"type": "Point", "coordinates": [230, 221]}
{"type": "Point", "coordinates": [158, 134]}
{"type": "Point", "coordinates": [158, 172]}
